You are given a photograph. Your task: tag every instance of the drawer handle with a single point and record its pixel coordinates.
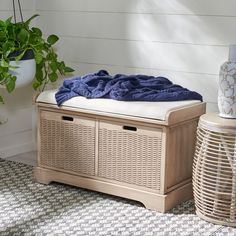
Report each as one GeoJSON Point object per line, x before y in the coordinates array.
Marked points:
{"type": "Point", "coordinates": [68, 118]}
{"type": "Point", "coordinates": [131, 128]}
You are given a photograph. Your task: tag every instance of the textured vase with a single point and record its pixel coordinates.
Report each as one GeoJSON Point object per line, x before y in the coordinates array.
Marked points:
{"type": "Point", "coordinates": [227, 86]}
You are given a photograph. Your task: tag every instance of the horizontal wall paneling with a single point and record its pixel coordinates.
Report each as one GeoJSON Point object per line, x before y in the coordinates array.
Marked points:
{"type": "Point", "coordinates": [25, 5]}
{"type": "Point", "coordinates": [149, 55]}
{"type": "Point", "coordinates": [192, 7]}
{"type": "Point", "coordinates": [186, 29]}
{"type": "Point", "coordinates": [16, 143]}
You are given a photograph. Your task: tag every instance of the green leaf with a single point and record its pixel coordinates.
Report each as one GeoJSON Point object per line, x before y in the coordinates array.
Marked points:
{"type": "Point", "coordinates": [61, 67]}
{"type": "Point", "coordinates": [36, 85]}
{"type": "Point", "coordinates": [51, 56]}
{"type": "Point", "coordinates": [4, 70]}
{"type": "Point", "coordinates": [10, 85]}
{"type": "Point", "coordinates": [37, 31]}
{"type": "Point", "coordinates": [53, 66]}
{"type": "Point", "coordinates": [2, 36]}
{"type": "Point", "coordinates": [38, 57]}
{"type": "Point", "coordinates": [20, 56]}
{"type": "Point", "coordinates": [53, 77]}
{"type": "Point", "coordinates": [68, 69]}
{"type": "Point", "coordinates": [39, 75]}
{"type": "Point", "coordinates": [23, 35]}
{"type": "Point", "coordinates": [4, 63]}
{"type": "Point", "coordinates": [2, 24]}
{"type": "Point", "coordinates": [30, 19]}
{"type": "Point", "coordinates": [8, 45]}
{"type": "Point", "coordinates": [8, 21]}
{"type": "Point", "coordinates": [11, 33]}
{"type": "Point", "coordinates": [52, 39]}
{"type": "Point", "coordinates": [40, 66]}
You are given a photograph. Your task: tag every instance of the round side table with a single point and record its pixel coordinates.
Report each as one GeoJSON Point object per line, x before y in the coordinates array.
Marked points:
{"type": "Point", "coordinates": [214, 170]}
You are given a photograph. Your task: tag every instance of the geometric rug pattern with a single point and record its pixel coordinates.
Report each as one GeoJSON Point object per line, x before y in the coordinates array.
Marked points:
{"type": "Point", "coordinates": [30, 208]}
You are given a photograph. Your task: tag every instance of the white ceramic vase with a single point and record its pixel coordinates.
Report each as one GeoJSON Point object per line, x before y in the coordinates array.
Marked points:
{"type": "Point", "coordinates": [25, 72]}
{"type": "Point", "coordinates": [227, 86]}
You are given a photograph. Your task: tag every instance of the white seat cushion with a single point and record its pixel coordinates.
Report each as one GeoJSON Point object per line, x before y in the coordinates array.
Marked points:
{"type": "Point", "coordinates": [151, 110]}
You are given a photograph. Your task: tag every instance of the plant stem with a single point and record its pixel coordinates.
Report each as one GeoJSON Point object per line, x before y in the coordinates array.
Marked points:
{"type": "Point", "coordinates": [45, 78]}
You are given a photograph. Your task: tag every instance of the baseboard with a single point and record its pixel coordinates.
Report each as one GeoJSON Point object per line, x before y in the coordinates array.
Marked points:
{"type": "Point", "coordinates": [17, 149]}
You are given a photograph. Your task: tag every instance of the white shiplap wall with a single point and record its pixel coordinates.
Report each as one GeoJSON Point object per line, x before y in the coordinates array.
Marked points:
{"type": "Point", "coordinates": [185, 40]}
{"type": "Point", "coordinates": [16, 135]}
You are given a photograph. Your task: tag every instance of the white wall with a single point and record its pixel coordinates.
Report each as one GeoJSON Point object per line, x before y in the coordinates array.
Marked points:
{"type": "Point", "coordinates": [16, 134]}
{"type": "Point", "coordinates": [185, 40]}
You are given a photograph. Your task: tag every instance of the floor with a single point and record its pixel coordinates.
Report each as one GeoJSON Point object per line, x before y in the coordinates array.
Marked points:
{"type": "Point", "coordinates": [29, 158]}
{"type": "Point", "coordinates": [29, 208]}
{"type": "Point", "coordinates": [137, 220]}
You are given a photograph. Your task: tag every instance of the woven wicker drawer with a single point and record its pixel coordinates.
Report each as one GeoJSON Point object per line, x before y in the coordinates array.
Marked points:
{"type": "Point", "coordinates": [130, 154]}
{"type": "Point", "coordinates": [67, 142]}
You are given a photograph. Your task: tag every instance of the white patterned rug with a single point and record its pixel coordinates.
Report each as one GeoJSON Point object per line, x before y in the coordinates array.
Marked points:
{"type": "Point", "coordinates": [29, 208]}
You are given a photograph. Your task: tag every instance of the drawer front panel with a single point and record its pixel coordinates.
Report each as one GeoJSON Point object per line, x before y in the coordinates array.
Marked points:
{"type": "Point", "coordinates": [67, 142]}
{"type": "Point", "coordinates": [130, 154]}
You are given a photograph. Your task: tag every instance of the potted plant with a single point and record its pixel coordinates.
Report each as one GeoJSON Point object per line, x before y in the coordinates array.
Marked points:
{"type": "Point", "coordinates": [23, 49]}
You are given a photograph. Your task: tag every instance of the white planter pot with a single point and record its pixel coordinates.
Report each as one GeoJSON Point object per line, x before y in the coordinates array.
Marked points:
{"type": "Point", "coordinates": [25, 72]}
{"type": "Point", "coordinates": [227, 86]}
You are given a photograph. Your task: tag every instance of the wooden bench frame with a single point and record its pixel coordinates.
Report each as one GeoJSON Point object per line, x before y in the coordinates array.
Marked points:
{"type": "Point", "coordinates": [178, 135]}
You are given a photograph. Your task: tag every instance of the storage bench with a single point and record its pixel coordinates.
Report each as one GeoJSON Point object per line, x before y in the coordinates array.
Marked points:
{"type": "Point", "coordinates": [138, 150]}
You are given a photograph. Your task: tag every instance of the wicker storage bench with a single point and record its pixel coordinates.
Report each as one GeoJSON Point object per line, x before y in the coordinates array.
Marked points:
{"type": "Point", "coordinates": [138, 150]}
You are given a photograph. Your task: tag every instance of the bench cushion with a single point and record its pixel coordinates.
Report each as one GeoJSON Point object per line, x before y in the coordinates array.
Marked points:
{"type": "Point", "coordinates": [151, 110]}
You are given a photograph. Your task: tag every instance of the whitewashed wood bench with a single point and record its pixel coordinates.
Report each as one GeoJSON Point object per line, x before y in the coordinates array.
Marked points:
{"type": "Point", "coordinates": [138, 150]}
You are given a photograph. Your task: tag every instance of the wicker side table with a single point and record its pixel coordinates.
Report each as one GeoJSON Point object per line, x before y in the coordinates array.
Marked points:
{"type": "Point", "coordinates": [214, 170]}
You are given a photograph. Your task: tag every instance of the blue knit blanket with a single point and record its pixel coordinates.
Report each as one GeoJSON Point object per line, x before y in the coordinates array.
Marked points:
{"type": "Point", "coordinates": [124, 88]}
